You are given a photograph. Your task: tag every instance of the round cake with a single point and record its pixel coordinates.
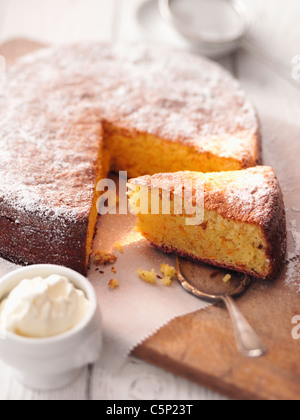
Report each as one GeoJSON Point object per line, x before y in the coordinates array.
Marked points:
{"type": "Point", "coordinates": [72, 113]}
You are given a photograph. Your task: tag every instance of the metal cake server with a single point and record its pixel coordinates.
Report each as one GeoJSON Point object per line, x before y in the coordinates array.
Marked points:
{"type": "Point", "coordinates": [214, 289]}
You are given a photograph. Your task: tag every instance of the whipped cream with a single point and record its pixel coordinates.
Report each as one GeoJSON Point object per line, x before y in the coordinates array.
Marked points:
{"type": "Point", "coordinates": [43, 307]}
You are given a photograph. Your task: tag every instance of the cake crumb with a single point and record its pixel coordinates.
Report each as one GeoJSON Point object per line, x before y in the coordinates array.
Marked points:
{"type": "Point", "coordinates": [227, 278]}
{"type": "Point", "coordinates": [167, 270]}
{"type": "Point", "coordinates": [151, 276]}
{"type": "Point", "coordinates": [119, 247]}
{"type": "Point", "coordinates": [147, 276]}
{"type": "Point", "coordinates": [168, 273]}
{"type": "Point", "coordinates": [113, 284]}
{"type": "Point", "coordinates": [167, 281]}
{"type": "Point", "coordinates": [102, 258]}
{"type": "Point", "coordinates": [113, 270]}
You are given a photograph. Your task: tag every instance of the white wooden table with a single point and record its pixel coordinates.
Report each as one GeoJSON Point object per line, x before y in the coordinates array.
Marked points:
{"type": "Point", "coordinates": [276, 31]}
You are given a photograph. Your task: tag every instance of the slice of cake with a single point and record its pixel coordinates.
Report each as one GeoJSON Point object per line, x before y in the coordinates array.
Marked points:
{"type": "Point", "coordinates": [242, 225]}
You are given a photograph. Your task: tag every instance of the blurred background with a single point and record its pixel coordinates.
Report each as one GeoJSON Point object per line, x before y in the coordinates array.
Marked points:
{"type": "Point", "coordinates": [274, 29]}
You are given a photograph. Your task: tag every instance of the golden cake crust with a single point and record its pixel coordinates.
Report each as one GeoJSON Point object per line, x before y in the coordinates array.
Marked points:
{"type": "Point", "coordinates": [52, 113]}
{"type": "Point", "coordinates": [250, 196]}
{"type": "Point", "coordinates": [143, 88]}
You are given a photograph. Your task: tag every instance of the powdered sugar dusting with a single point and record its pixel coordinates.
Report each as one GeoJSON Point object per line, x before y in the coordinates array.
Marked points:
{"type": "Point", "coordinates": [247, 195]}
{"type": "Point", "coordinates": [60, 95]}
{"type": "Point", "coordinates": [251, 196]}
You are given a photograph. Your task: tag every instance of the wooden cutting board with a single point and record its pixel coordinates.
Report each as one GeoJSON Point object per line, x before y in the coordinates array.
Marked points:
{"type": "Point", "coordinates": [201, 346]}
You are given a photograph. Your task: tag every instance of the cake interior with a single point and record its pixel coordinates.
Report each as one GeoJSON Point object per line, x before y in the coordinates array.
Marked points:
{"type": "Point", "coordinates": [102, 170]}
{"type": "Point", "coordinates": [219, 241]}
{"type": "Point", "coordinates": [144, 154]}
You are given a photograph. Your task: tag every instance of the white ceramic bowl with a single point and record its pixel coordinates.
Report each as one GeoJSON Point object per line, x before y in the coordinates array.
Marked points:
{"type": "Point", "coordinates": [212, 47]}
{"type": "Point", "coordinates": [50, 363]}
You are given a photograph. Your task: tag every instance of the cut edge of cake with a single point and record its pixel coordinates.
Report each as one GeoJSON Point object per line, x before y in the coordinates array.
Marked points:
{"type": "Point", "coordinates": [244, 225]}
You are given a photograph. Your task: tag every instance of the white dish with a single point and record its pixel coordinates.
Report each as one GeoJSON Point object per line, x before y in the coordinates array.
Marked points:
{"type": "Point", "coordinates": [154, 28]}
{"type": "Point", "coordinates": [215, 27]}
{"type": "Point", "coordinates": [51, 363]}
